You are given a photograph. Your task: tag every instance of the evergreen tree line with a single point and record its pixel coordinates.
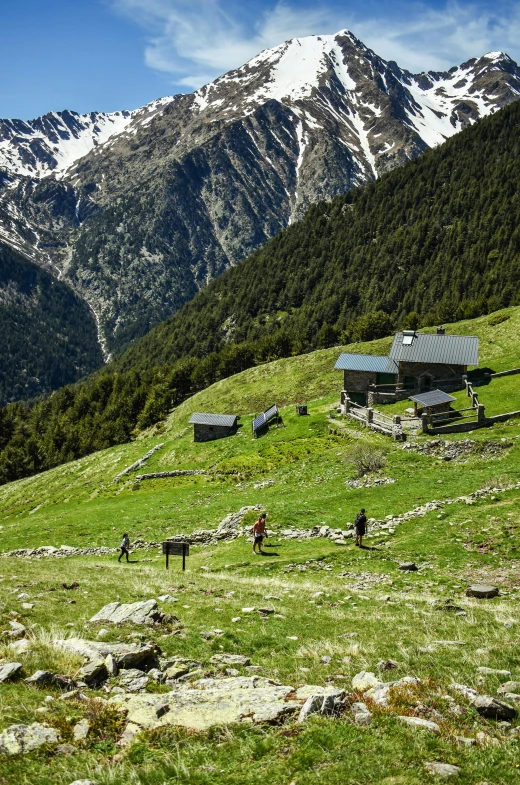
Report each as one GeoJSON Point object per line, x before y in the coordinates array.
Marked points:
{"type": "Point", "coordinates": [437, 240]}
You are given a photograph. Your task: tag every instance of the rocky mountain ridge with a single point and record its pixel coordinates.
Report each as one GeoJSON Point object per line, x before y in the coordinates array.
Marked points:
{"type": "Point", "coordinates": [168, 198]}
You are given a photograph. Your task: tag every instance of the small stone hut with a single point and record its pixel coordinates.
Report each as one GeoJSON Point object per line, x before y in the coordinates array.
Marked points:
{"type": "Point", "coordinates": [207, 426]}
{"type": "Point", "coordinates": [418, 362]}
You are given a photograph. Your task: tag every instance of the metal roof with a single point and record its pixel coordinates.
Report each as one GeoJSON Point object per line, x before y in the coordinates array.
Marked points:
{"type": "Point", "coordinates": [433, 398]}
{"type": "Point", "coordinates": [264, 418]}
{"type": "Point", "coordinates": [203, 418]}
{"type": "Point", "coordinates": [436, 349]}
{"type": "Point", "coordinates": [365, 362]}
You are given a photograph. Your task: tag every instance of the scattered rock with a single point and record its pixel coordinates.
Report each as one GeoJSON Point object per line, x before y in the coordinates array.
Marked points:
{"type": "Point", "coordinates": [362, 715]}
{"type": "Point", "coordinates": [365, 680]}
{"type": "Point", "coordinates": [145, 612]}
{"type": "Point", "coordinates": [465, 741]}
{"type": "Point", "coordinates": [111, 665]}
{"type": "Point", "coordinates": [94, 672]}
{"type": "Point", "coordinates": [83, 782]}
{"type": "Point", "coordinates": [17, 630]}
{"type": "Point", "coordinates": [494, 709]}
{"type": "Point", "coordinates": [73, 585]}
{"type": "Point", "coordinates": [133, 680]}
{"type": "Point", "coordinates": [126, 655]}
{"type": "Point", "coordinates": [20, 739]}
{"type": "Point", "coordinates": [80, 730]}
{"type": "Point", "coordinates": [231, 659]}
{"type": "Point", "coordinates": [482, 591]}
{"type": "Point", "coordinates": [327, 701]}
{"type": "Point", "coordinates": [509, 686]}
{"type": "Point", "coordinates": [168, 598]}
{"type": "Point", "coordinates": [418, 722]}
{"type": "Point", "coordinates": [40, 677]}
{"type": "Point", "coordinates": [442, 769]}
{"type": "Point", "coordinates": [9, 670]}
{"type": "Point", "coordinates": [20, 647]}
{"type": "Point", "coordinates": [492, 671]}
{"type": "Point", "coordinates": [408, 566]}
{"type": "Point", "coordinates": [387, 665]}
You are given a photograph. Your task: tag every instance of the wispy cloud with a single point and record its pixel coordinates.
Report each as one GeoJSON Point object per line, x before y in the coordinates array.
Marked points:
{"type": "Point", "coordinates": [194, 41]}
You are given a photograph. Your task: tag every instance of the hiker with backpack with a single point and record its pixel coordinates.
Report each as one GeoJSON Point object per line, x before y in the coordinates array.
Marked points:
{"type": "Point", "coordinates": [361, 527]}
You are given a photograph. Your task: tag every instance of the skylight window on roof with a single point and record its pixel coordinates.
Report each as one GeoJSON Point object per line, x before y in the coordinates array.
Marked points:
{"type": "Point", "coordinates": [408, 336]}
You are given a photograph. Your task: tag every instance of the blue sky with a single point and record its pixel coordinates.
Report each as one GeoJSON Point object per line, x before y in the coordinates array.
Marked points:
{"type": "Point", "coordinates": [119, 54]}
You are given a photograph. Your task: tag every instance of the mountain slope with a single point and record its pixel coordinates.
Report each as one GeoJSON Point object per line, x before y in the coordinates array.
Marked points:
{"type": "Point", "coordinates": [49, 336]}
{"type": "Point", "coordinates": [434, 241]}
{"type": "Point", "coordinates": [439, 237]}
{"type": "Point", "coordinates": [175, 197]}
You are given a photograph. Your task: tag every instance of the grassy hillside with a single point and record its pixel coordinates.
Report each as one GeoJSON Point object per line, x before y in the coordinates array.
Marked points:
{"type": "Point", "coordinates": [338, 609]}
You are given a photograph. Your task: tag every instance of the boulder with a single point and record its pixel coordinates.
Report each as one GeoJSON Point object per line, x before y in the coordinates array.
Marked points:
{"type": "Point", "coordinates": [80, 730]}
{"type": "Point", "coordinates": [133, 680]}
{"type": "Point", "coordinates": [20, 647]}
{"type": "Point", "coordinates": [482, 591]}
{"type": "Point", "coordinates": [9, 670]}
{"type": "Point", "coordinates": [365, 680]}
{"type": "Point", "coordinates": [20, 739]}
{"type": "Point", "coordinates": [417, 722]}
{"type": "Point", "coordinates": [94, 672]}
{"type": "Point", "coordinates": [442, 769]}
{"type": "Point", "coordinates": [238, 660]}
{"type": "Point", "coordinates": [408, 566]}
{"type": "Point", "coordinates": [327, 703]}
{"type": "Point", "coordinates": [494, 709]}
{"type": "Point", "coordinates": [17, 630]}
{"type": "Point", "coordinates": [144, 612]}
{"type": "Point", "coordinates": [125, 655]}
{"type": "Point", "coordinates": [492, 671]}
{"type": "Point", "coordinates": [509, 686]}
{"type": "Point", "coordinates": [361, 714]}
{"type": "Point", "coordinates": [40, 677]}
{"type": "Point", "coordinates": [208, 702]}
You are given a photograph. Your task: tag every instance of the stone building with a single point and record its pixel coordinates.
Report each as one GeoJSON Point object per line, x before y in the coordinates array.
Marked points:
{"type": "Point", "coordinates": [207, 427]}
{"type": "Point", "coordinates": [418, 362]}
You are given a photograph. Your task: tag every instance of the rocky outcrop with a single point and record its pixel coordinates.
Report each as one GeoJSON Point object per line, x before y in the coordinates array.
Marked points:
{"type": "Point", "coordinates": [208, 702]}
{"type": "Point", "coordinates": [20, 739]}
{"type": "Point", "coordinates": [143, 612]}
{"type": "Point", "coordinates": [125, 655]}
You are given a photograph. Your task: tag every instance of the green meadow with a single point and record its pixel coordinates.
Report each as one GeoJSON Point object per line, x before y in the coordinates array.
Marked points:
{"type": "Point", "coordinates": [339, 609]}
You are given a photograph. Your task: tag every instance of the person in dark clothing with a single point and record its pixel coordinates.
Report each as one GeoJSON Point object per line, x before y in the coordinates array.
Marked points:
{"type": "Point", "coordinates": [361, 527]}
{"type": "Point", "coordinates": [125, 545]}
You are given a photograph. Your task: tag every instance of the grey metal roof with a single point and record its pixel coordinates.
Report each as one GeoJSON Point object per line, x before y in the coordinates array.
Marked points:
{"type": "Point", "coordinates": [365, 362]}
{"type": "Point", "coordinates": [264, 418]}
{"type": "Point", "coordinates": [433, 398]}
{"type": "Point", "coordinates": [436, 349]}
{"type": "Point", "coordinates": [203, 418]}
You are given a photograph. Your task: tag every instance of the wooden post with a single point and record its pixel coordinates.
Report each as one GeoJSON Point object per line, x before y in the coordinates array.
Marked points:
{"type": "Point", "coordinates": [183, 556]}
{"type": "Point", "coordinates": [370, 415]}
{"type": "Point", "coordinates": [167, 560]}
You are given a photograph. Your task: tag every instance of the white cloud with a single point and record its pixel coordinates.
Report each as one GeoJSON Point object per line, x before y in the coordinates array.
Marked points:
{"type": "Point", "coordinates": [196, 40]}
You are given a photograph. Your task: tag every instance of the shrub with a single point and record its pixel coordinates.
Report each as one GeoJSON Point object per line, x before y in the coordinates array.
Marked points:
{"type": "Point", "coordinates": [365, 458]}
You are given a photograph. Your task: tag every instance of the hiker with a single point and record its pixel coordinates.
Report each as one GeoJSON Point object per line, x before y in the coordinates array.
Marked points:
{"type": "Point", "coordinates": [259, 532]}
{"type": "Point", "coordinates": [125, 545]}
{"type": "Point", "coordinates": [361, 527]}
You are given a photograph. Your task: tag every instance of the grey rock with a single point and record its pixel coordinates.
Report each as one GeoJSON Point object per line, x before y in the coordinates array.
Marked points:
{"type": "Point", "coordinates": [512, 696]}
{"type": "Point", "coordinates": [9, 670]}
{"type": "Point", "coordinates": [208, 702]}
{"type": "Point", "coordinates": [492, 671]}
{"type": "Point", "coordinates": [40, 677]}
{"type": "Point", "coordinates": [94, 672]}
{"type": "Point", "coordinates": [420, 724]}
{"type": "Point", "coordinates": [111, 665]}
{"type": "Point", "coordinates": [327, 702]}
{"type": "Point", "coordinates": [408, 566]}
{"type": "Point", "coordinates": [387, 665]}
{"type": "Point", "coordinates": [17, 630]}
{"type": "Point", "coordinates": [365, 680]}
{"type": "Point", "coordinates": [126, 655]}
{"type": "Point", "coordinates": [83, 782]}
{"type": "Point", "coordinates": [482, 591]}
{"type": "Point", "coordinates": [65, 749]}
{"type": "Point", "coordinates": [20, 647]}
{"type": "Point", "coordinates": [465, 741]}
{"type": "Point", "coordinates": [133, 680]}
{"type": "Point", "coordinates": [509, 686]}
{"type": "Point", "coordinates": [81, 730]}
{"type": "Point", "coordinates": [494, 709]}
{"type": "Point", "coordinates": [442, 769]}
{"type": "Point", "coordinates": [361, 713]}
{"type": "Point", "coordinates": [238, 660]}
{"type": "Point", "coordinates": [156, 674]}
{"type": "Point", "coordinates": [21, 739]}
{"type": "Point", "coordinates": [232, 672]}
{"type": "Point", "coordinates": [145, 612]}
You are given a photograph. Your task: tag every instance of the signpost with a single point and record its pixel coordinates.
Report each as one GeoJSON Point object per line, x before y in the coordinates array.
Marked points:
{"type": "Point", "coordinates": [170, 548]}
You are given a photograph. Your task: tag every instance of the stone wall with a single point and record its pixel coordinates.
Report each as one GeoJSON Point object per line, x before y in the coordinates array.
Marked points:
{"type": "Point", "coordinates": [358, 381]}
{"type": "Point", "coordinates": [207, 433]}
{"type": "Point", "coordinates": [436, 371]}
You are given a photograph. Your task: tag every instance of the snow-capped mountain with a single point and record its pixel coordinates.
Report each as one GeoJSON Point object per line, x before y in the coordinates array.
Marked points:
{"type": "Point", "coordinates": [50, 144]}
{"type": "Point", "coordinates": [169, 196]}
